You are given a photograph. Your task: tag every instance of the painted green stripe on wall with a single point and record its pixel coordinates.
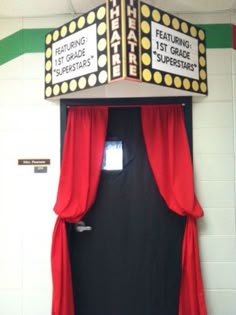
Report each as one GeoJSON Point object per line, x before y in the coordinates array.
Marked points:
{"type": "Point", "coordinates": [32, 40]}
{"type": "Point", "coordinates": [218, 35]}
{"type": "Point", "coordinates": [21, 42]}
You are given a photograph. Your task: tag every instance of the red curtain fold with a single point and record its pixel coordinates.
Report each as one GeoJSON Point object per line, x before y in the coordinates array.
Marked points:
{"type": "Point", "coordinates": [170, 160]}
{"type": "Point", "coordinates": [191, 300]}
{"type": "Point", "coordinates": [81, 166]}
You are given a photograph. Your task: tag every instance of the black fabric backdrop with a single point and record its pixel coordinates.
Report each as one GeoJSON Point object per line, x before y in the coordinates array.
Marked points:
{"type": "Point", "coordinates": [130, 263]}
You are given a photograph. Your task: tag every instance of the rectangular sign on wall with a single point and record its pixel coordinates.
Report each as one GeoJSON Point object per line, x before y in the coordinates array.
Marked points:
{"type": "Point", "coordinates": [34, 162]}
{"type": "Point", "coordinates": [173, 52]}
{"type": "Point", "coordinates": [76, 54]}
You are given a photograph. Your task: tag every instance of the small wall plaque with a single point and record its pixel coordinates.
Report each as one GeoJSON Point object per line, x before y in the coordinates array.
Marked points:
{"type": "Point", "coordinates": [34, 161]}
{"type": "Point", "coordinates": [40, 169]}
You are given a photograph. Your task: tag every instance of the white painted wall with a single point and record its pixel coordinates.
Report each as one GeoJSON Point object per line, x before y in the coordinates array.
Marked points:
{"type": "Point", "coordinates": [214, 130]}
{"type": "Point", "coordinates": [29, 128]}
{"type": "Point", "coordinates": [214, 162]}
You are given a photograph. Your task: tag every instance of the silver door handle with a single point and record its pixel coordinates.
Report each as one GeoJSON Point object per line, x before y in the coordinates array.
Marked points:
{"type": "Point", "coordinates": [81, 227]}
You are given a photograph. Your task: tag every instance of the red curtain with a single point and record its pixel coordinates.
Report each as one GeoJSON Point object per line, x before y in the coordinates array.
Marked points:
{"type": "Point", "coordinates": [164, 132]}
{"type": "Point", "coordinates": [80, 171]}
{"type": "Point", "coordinates": [168, 153]}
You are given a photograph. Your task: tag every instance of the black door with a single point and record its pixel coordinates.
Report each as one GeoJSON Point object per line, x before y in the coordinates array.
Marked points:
{"type": "Point", "coordinates": [130, 262]}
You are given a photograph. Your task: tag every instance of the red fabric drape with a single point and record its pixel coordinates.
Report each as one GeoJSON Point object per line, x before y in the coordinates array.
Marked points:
{"type": "Point", "coordinates": [168, 153]}
{"type": "Point", "coordinates": [80, 171]}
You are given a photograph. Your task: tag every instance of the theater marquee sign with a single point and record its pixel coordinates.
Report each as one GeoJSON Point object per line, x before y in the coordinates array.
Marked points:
{"type": "Point", "coordinates": [125, 40]}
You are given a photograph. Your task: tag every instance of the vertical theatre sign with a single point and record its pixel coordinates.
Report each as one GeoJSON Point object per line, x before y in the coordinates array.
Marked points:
{"type": "Point", "coordinates": [132, 36]}
{"type": "Point", "coordinates": [125, 39]}
{"type": "Point", "coordinates": [115, 46]}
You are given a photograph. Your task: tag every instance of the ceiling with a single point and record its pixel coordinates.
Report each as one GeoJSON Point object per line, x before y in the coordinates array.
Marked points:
{"type": "Point", "coordinates": [41, 8]}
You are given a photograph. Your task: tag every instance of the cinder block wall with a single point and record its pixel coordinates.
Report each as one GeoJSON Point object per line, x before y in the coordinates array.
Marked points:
{"type": "Point", "coordinates": [214, 164]}
{"type": "Point", "coordinates": [214, 168]}
{"type": "Point", "coordinates": [29, 128]}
